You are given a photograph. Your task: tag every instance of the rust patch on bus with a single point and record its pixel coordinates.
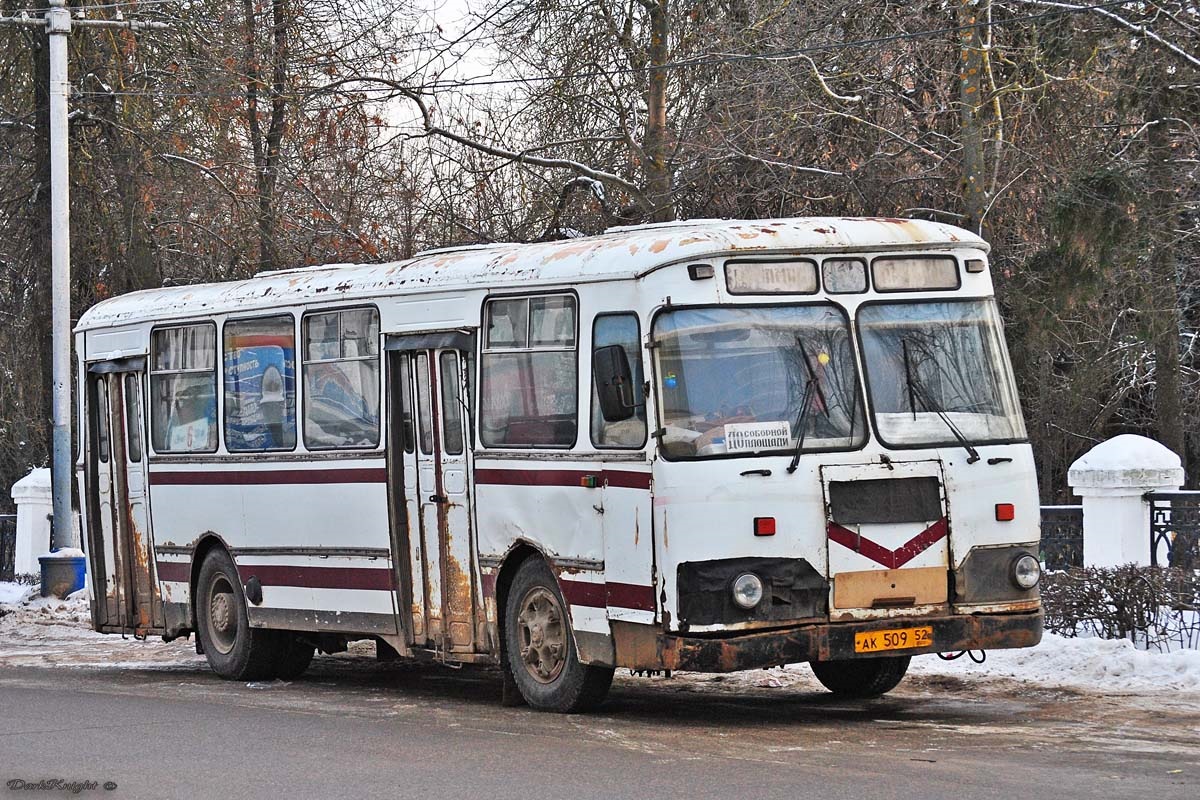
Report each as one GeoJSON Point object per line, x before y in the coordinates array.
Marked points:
{"type": "Point", "coordinates": [567, 252]}
{"type": "Point", "coordinates": [142, 599]}
{"type": "Point", "coordinates": [659, 246]}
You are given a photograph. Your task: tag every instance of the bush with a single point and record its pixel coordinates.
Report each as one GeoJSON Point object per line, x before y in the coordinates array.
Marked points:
{"type": "Point", "coordinates": [1155, 607]}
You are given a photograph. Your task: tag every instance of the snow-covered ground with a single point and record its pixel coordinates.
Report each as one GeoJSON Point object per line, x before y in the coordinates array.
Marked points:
{"type": "Point", "coordinates": [38, 631]}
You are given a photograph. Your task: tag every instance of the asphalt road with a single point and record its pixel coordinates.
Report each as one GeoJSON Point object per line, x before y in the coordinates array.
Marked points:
{"type": "Point", "coordinates": [355, 728]}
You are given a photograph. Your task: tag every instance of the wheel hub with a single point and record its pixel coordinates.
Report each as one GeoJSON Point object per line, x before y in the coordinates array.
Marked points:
{"type": "Point", "coordinates": [222, 615]}
{"type": "Point", "coordinates": [542, 635]}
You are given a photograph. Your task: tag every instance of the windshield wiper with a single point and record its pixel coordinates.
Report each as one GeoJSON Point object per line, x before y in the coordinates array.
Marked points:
{"type": "Point", "coordinates": [811, 389]}
{"type": "Point", "coordinates": [916, 391]}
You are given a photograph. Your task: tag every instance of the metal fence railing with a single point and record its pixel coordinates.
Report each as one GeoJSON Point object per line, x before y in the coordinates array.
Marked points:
{"type": "Point", "coordinates": [1174, 529]}
{"type": "Point", "coordinates": [8, 546]}
{"type": "Point", "coordinates": [1062, 537]}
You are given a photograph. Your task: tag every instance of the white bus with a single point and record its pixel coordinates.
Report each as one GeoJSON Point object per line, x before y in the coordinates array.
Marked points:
{"type": "Point", "coordinates": [710, 445]}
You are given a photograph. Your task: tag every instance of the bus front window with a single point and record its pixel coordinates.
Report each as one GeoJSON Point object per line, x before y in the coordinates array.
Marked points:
{"type": "Point", "coordinates": [937, 371]}
{"type": "Point", "coordinates": [734, 381]}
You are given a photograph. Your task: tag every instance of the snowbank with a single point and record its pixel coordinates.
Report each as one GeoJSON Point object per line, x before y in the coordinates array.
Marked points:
{"type": "Point", "coordinates": [1108, 666]}
{"type": "Point", "coordinates": [1093, 666]}
{"type": "Point", "coordinates": [13, 593]}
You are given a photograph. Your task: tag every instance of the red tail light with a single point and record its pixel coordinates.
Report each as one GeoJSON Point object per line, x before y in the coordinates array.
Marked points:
{"type": "Point", "coordinates": [764, 526]}
{"type": "Point", "coordinates": [1005, 512]}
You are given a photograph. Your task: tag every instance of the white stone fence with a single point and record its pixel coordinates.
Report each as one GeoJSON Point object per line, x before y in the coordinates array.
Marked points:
{"type": "Point", "coordinates": [1124, 483]}
{"type": "Point", "coordinates": [32, 496]}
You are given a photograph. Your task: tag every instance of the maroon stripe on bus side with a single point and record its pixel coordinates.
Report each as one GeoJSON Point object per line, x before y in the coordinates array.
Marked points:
{"type": "Point", "coordinates": [630, 595]}
{"type": "Point", "coordinates": [268, 477]}
{"type": "Point", "coordinates": [580, 593]}
{"type": "Point", "coordinates": [595, 595]}
{"type": "Point", "coordinates": [625, 479]}
{"type": "Point", "coordinates": [375, 578]}
{"type": "Point", "coordinates": [174, 571]}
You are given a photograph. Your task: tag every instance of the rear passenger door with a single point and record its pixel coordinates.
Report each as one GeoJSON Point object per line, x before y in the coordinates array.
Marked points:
{"type": "Point", "coordinates": [436, 488]}
{"type": "Point", "coordinates": [125, 560]}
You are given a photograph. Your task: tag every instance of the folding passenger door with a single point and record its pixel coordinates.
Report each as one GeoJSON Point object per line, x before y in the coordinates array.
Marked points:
{"type": "Point", "coordinates": [430, 386]}
{"type": "Point", "coordinates": [124, 560]}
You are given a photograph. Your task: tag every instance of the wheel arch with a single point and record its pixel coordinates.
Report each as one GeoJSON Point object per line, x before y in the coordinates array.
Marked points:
{"type": "Point", "coordinates": [521, 551]}
{"type": "Point", "coordinates": [205, 544]}
{"type": "Point", "coordinates": [591, 648]}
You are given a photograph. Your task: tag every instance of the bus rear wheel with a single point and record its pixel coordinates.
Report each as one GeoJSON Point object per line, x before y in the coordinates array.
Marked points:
{"type": "Point", "coordinates": [234, 650]}
{"type": "Point", "coordinates": [540, 646]}
{"type": "Point", "coordinates": [861, 677]}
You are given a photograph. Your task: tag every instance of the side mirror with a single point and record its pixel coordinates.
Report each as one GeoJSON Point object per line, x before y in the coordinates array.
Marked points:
{"type": "Point", "coordinates": [614, 382]}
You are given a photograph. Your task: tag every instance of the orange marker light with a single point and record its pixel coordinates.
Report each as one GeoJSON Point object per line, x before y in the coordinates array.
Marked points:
{"type": "Point", "coordinates": [764, 526]}
{"type": "Point", "coordinates": [1005, 512]}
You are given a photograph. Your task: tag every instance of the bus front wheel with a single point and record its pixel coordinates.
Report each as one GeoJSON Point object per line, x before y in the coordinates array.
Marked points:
{"type": "Point", "coordinates": [861, 678]}
{"type": "Point", "coordinates": [234, 650]}
{"type": "Point", "coordinates": [540, 646]}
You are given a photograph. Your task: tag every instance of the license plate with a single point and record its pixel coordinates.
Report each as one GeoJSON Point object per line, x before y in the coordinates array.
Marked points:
{"type": "Point", "coordinates": [894, 639]}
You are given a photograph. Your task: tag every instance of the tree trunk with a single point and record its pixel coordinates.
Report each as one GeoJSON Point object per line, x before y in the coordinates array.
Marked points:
{"type": "Point", "coordinates": [266, 146]}
{"type": "Point", "coordinates": [1162, 280]}
{"type": "Point", "coordinates": [970, 93]}
{"type": "Point", "coordinates": [655, 146]}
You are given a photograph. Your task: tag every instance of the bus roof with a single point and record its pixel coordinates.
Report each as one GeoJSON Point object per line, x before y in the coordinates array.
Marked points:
{"type": "Point", "coordinates": [620, 253]}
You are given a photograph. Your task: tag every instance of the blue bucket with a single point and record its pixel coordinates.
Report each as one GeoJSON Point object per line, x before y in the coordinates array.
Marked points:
{"type": "Point", "coordinates": [62, 575]}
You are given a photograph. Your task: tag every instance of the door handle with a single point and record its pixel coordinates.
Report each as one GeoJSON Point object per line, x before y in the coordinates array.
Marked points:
{"type": "Point", "coordinates": [438, 498]}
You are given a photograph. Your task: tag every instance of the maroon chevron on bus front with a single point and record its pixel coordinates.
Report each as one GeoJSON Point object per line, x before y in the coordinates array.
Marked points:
{"type": "Point", "coordinates": [892, 559]}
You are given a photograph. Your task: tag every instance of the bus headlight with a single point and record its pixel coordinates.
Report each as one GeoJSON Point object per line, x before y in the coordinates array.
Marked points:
{"type": "Point", "coordinates": [747, 590]}
{"type": "Point", "coordinates": [1026, 571]}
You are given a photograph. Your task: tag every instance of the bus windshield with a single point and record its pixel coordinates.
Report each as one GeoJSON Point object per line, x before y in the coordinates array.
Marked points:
{"type": "Point", "coordinates": [746, 380]}
{"type": "Point", "coordinates": [936, 370]}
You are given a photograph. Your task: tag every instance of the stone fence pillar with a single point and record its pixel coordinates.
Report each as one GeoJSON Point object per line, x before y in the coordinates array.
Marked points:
{"type": "Point", "coordinates": [34, 508]}
{"type": "Point", "coordinates": [1111, 478]}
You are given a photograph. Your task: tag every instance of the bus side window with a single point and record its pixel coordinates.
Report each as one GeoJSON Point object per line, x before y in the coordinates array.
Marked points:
{"type": "Point", "coordinates": [260, 384]}
{"type": "Point", "coordinates": [183, 389]}
{"type": "Point", "coordinates": [133, 418]}
{"type": "Point", "coordinates": [529, 373]}
{"type": "Point", "coordinates": [341, 379]}
{"type": "Point", "coordinates": [101, 412]}
{"type": "Point", "coordinates": [622, 330]}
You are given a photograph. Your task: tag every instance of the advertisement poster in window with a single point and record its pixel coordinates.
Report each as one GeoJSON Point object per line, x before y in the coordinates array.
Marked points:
{"type": "Point", "coordinates": [260, 380]}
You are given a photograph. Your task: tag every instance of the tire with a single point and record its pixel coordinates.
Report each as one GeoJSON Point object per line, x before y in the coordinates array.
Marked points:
{"type": "Point", "coordinates": [295, 655]}
{"type": "Point", "coordinates": [539, 646]}
{"type": "Point", "coordinates": [861, 677]}
{"type": "Point", "coordinates": [234, 650]}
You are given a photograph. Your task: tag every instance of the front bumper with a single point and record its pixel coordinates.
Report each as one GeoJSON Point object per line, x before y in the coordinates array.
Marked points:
{"type": "Point", "coordinates": [645, 647]}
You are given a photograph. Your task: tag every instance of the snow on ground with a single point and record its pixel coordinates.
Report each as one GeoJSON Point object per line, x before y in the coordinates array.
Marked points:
{"type": "Point", "coordinates": [1095, 665]}
{"type": "Point", "coordinates": [38, 631]}
{"type": "Point", "coordinates": [47, 631]}
{"type": "Point", "coordinates": [13, 593]}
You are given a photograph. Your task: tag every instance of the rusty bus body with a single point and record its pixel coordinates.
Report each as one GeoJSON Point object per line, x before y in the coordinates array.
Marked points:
{"type": "Point", "coordinates": [728, 444]}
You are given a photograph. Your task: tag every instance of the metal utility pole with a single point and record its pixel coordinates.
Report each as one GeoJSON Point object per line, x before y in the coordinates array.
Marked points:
{"type": "Point", "coordinates": [57, 23]}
